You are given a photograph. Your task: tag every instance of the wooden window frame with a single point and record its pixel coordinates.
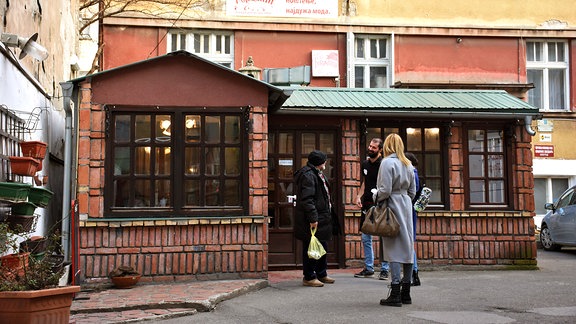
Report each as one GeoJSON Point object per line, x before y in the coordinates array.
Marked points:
{"type": "Point", "coordinates": [507, 170]}
{"type": "Point", "coordinates": [177, 206]}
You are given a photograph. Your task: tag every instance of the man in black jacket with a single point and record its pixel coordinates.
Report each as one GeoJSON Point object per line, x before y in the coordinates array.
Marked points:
{"type": "Point", "coordinates": [313, 210]}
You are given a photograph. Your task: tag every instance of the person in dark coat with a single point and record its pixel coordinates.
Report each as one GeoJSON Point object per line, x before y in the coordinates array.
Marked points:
{"type": "Point", "coordinates": [313, 210]}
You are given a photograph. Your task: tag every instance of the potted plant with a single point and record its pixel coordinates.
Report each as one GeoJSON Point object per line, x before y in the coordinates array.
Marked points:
{"type": "Point", "coordinates": [29, 288]}
{"type": "Point", "coordinates": [124, 277]}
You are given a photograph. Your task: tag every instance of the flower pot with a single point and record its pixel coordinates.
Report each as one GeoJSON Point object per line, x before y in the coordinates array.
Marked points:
{"type": "Point", "coordinates": [25, 166]}
{"type": "Point", "coordinates": [14, 264]}
{"type": "Point", "coordinates": [125, 281]}
{"type": "Point", "coordinates": [40, 196]}
{"type": "Point", "coordinates": [21, 223]}
{"type": "Point", "coordinates": [33, 149]}
{"type": "Point", "coordinates": [23, 208]}
{"type": "Point", "coordinates": [34, 245]}
{"type": "Point", "coordinates": [14, 191]}
{"type": "Point", "coordinates": [37, 306]}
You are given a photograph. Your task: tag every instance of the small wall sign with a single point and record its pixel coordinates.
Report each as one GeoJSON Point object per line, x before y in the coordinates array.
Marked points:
{"type": "Point", "coordinates": [544, 150]}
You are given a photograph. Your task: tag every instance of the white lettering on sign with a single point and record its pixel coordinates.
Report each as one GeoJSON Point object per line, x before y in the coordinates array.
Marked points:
{"type": "Point", "coordinates": [544, 150]}
{"type": "Point", "coordinates": [283, 8]}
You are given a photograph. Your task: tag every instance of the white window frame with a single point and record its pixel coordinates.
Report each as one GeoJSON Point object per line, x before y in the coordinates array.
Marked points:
{"type": "Point", "coordinates": [545, 65]}
{"type": "Point", "coordinates": [353, 62]}
{"type": "Point", "coordinates": [226, 59]}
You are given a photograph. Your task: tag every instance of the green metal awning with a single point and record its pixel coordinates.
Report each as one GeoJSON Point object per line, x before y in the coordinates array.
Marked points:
{"type": "Point", "coordinates": [431, 103]}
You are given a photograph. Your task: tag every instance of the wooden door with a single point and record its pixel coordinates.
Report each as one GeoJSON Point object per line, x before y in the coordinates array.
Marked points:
{"type": "Point", "coordinates": [287, 153]}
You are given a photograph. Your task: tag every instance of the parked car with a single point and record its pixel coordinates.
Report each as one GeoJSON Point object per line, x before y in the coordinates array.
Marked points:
{"type": "Point", "coordinates": [559, 225]}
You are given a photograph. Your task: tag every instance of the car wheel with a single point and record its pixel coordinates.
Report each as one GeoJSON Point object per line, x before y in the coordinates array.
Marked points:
{"type": "Point", "coordinates": [546, 240]}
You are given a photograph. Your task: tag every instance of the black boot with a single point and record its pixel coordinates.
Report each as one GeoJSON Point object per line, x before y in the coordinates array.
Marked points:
{"type": "Point", "coordinates": [415, 279]}
{"type": "Point", "coordinates": [405, 293]}
{"type": "Point", "coordinates": [394, 297]}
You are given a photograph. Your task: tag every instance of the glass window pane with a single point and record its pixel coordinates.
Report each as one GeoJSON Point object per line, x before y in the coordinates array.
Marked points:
{"type": "Point", "coordinates": [495, 166]}
{"type": "Point", "coordinates": [378, 77]}
{"type": "Point", "coordinates": [436, 186]}
{"type": "Point", "coordinates": [163, 161]}
{"type": "Point", "coordinates": [327, 143]}
{"type": "Point", "coordinates": [192, 161]}
{"type": "Point", "coordinates": [212, 188]}
{"type": "Point", "coordinates": [192, 192]}
{"type": "Point", "coordinates": [556, 88]}
{"type": "Point", "coordinates": [476, 165]}
{"type": "Point", "coordinates": [477, 192]}
{"type": "Point", "coordinates": [558, 187]}
{"type": "Point", "coordinates": [560, 52]}
{"type": "Point", "coordinates": [382, 48]}
{"type": "Point", "coordinates": [232, 193]}
{"type": "Point", "coordinates": [232, 129]}
{"type": "Point", "coordinates": [163, 128]}
{"type": "Point", "coordinates": [413, 139]}
{"type": "Point", "coordinates": [142, 193]}
{"type": "Point", "coordinates": [193, 126]}
{"type": "Point", "coordinates": [373, 132]}
{"type": "Point", "coordinates": [173, 42]}
{"type": "Point", "coordinates": [535, 95]}
{"type": "Point", "coordinates": [476, 141]}
{"type": "Point", "coordinates": [285, 168]}
{"type": "Point", "coordinates": [540, 198]}
{"type": "Point", "coordinates": [285, 143]}
{"type": "Point", "coordinates": [227, 45]}
{"type": "Point", "coordinates": [359, 47]}
{"type": "Point", "coordinates": [374, 48]}
{"type": "Point", "coordinates": [143, 129]}
{"type": "Point", "coordinates": [122, 129]}
{"type": "Point", "coordinates": [122, 163]}
{"type": "Point", "coordinates": [142, 160]}
{"type": "Point", "coordinates": [206, 41]}
{"type": "Point", "coordinates": [182, 41]}
{"type": "Point", "coordinates": [121, 193]}
{"type": "Point", "coordinates": [432, 138]}
{"type": "Point", "coordinates": [286, 217]}
{"type": "Point", "coordinates": [495, 142]}
{"type": "Point", "coordinates": [212, 129]}
{"type": "Point", "coordinates": [212, 158]}
{"type": "Point", "coordinates": [218, 49]}
{"type": "Point", "coordinates": [533, 51]}
{"type": "Point", "coordinates": [232, 161]}
{"type": "Point", "coordinates": [196, 43]}
{"type": "Point", "coordinates": [359, 76]}
{"type": "Point", "coordinates": [432, 165]}
{"type": "Point", "coordinates": [496, 192]}
{"type": "Point", "coordinates": [163, 193]}
{"type": "Point", "coordinates": [308, 143]}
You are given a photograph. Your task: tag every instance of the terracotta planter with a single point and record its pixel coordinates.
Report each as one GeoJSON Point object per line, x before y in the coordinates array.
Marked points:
{"type": "Point", "coordinates": [14, 264]}
{"type": "Point", "coordinates": [33, 149]}
{"type": "Point", "coordinates": [26, 166]}
{"type": "Point", "coordinates": [37, 306]}
{"type": "Point", "coordinates": [125, 281]}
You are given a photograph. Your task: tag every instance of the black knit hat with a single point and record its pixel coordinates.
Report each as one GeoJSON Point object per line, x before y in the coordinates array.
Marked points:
{"type": "Point", "coordinates": [316, 157]}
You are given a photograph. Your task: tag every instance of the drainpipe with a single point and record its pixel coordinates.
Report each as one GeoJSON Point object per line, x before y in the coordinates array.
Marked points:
{"type": "Point", "coordinates": [528, 125]}
{"type": "Point", "coordinates": [66, 201]}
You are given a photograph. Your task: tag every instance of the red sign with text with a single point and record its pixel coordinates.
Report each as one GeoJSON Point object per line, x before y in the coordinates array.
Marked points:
{"type": "Point", "coordinates": [544, 150]}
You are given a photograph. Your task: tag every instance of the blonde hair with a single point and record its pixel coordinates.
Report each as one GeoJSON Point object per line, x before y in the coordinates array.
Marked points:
{"type": "Point", "coordinates": [393, 144]}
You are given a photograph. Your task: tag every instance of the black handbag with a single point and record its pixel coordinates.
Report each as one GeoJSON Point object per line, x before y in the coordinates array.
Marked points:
{"type": "Point", "coordinates": [381, 221]}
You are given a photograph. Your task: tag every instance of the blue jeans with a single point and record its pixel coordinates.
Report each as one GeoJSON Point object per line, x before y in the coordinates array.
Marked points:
{"type": "Point", "coordinates": [369, 255]}
{"type": "Point", "coordinates": [401, 272]}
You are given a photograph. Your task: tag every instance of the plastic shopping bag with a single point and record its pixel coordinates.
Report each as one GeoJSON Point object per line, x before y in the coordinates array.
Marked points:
{"type": "Point", "coordinates": [315, 249]}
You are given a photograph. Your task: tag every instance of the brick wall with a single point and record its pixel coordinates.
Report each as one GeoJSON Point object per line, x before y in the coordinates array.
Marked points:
{"type": "Point", "coordinates": [456, 237]}
{"type": "Point", "coordinates": [164, 250]}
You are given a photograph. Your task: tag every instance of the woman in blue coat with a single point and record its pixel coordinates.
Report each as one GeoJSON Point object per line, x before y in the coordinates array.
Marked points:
{"type": "Point", "coordinates": [396, 183]}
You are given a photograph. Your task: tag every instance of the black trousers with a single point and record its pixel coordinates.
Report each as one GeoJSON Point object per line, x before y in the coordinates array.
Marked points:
{"type": "Point", "coordinates": [314, 268]}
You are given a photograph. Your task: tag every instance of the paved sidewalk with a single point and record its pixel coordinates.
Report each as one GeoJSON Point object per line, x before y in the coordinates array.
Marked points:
{"type": "Point", "coordinates": [160, 301]}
